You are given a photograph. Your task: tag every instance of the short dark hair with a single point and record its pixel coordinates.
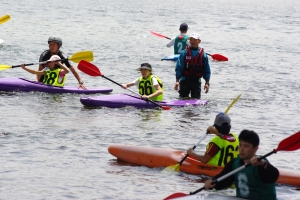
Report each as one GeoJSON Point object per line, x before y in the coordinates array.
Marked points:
{"type": "Point", "coordinates": [250, 137]}
{"type": "Point", "coordinates": [225, 129]}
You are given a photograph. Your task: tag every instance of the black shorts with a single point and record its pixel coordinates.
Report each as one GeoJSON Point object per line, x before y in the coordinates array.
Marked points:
{"type": "Point", "coordinates": [190, 86]}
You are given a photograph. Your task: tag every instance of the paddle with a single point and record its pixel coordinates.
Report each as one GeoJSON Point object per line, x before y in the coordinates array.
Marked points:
{"type": "Point", "coordinates": [93, 70]}
{"type": "Point", "coordinates": [217, 57]}
{"type": "Point", "coordinates": [177, 166]}
{"type": "Point", "coordinates": [291, 143]}
{"type": "Point", "coordinates": [4, 19]}
{"type": "Point", "coordinates": [77, 57]}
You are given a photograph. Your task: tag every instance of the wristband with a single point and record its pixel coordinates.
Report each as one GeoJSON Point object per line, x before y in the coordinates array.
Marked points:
{"type": "Point", "coordinates": [81, 83]}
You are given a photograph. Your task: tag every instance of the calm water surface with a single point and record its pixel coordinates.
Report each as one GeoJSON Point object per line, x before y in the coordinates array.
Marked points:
{"type": "Point", "coordinates": [54, 148]}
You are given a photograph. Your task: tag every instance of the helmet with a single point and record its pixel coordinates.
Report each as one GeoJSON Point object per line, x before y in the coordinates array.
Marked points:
{"type": "Point", "coordinates": [55, 39]}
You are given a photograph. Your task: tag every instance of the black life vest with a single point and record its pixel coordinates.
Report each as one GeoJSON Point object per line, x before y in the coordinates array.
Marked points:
{"type": "Point", "coordinates": [193, 66]}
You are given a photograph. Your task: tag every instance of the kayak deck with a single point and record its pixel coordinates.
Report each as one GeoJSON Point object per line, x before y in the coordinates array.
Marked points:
{"type": "Point", "coordinates": [158, 157]}
{"type": "Point", "coordinates": [122, 100]}
{"type": "Point", "coordinates": [171, 58]}
{"type": "Point", "coordinates": [23, 85]}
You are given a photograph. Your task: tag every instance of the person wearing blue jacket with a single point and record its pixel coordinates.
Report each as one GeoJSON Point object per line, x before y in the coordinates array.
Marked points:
{"type": "Point", "coordinates": [191, 66]}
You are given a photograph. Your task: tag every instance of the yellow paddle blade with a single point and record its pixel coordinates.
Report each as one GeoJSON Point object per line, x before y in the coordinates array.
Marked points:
{"type": "Point", "coordinates": [172, 168]}
{"type": "Point", "coordinates": [4, 18]}
{"type": "Point", "coordinates": [4, 67]}
{"type": "Point", "coordinates": [234, 100]}
{"type": "Point", "coordinates": [83, 55]}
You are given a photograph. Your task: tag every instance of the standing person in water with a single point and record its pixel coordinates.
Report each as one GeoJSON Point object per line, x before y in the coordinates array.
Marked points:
{"type": "Point", "coordinates": [149, 85]}
{"type": "Point", "coordinates": [53, 74]}
{"type": "Point", "coordinates": [223, 147]}
{"type": "Point", "coordinates": [254, 182]}
{"type": "Point", "coordinates": [180, 41]}
{"type": "Point", "coordinates": [191, 66]}
{"type": "Point", "coordinates": [54, 49]}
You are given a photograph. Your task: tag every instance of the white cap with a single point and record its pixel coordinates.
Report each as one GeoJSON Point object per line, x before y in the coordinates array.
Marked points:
{"type": "Point", "coordinates": [54, 58]}
{"type": "Point", "coordinates": [195, 36]}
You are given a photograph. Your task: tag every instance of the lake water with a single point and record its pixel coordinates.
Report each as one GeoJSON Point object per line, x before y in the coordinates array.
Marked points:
{"type": "Point", "coordinates": [54, 148]}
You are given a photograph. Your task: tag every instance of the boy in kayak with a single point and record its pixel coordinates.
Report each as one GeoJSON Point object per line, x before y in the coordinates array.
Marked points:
{"type": "Point", "coordinates": [180, 41]}
{"type": "Point", "coordinates": [150, 86]}
{"type": "Point", "coordinates": [54, 49]}
{"type": "Point", "coordinates": [53, 74]}
{"type": "Point", "coordinates": [223, 147]}
{"type": "Point", "coordinates": [191, 66]}
{"type": "Point", "coordinates": [254, 182]}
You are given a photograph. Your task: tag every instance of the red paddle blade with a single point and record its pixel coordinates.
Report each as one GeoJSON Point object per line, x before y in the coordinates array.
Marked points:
{"type": "Point", "coordinates": [176, 195]}
{"type": "Point", "coordinates": [89, 68]}
{"type": "Point", "coordinates": [166, 107]}
{"type": "Point", "coordinates": [159, 35]}
{"type": "Point", "coordinates": [219, 57]}
{"type": "Point", "coordinates": [291, 143]}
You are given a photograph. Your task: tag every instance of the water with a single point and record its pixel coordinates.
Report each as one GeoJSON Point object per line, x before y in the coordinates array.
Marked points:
{"type": "Point", "coordinates": [54, 148]}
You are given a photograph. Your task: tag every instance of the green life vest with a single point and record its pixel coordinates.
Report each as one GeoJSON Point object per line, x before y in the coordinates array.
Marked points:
{"type": "Point", "coordinates": [180, 43]}
{"type": "Point", "coordinates": [146, 87]}
{"type": "Point", "coordinates": [228, 145]}
{"type": "Point", "coordinates": [249, 185]}
{"type": "Point", "coordinates": [52, 78]}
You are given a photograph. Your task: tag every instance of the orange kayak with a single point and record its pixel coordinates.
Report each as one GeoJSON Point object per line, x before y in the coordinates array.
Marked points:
{"type": "Point", "coordinates": [158, 157]}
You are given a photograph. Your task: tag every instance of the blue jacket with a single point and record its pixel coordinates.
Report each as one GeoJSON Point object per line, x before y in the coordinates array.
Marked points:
{"type": "Point", "coordinates": [180, 66]}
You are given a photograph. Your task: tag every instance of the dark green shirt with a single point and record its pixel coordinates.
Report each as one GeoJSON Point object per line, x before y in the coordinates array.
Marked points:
{"type": "Point", "coordinates": [252, 182]}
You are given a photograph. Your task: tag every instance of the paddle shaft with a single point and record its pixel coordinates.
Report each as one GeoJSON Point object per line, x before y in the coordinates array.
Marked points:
{"type": "Point", "coordinates": [131, 91]}
{"type": "Point", "coordinates": [233, 172]}
{"type": "Point", "coordinates": [194, 147]}
{"type": "Point", "coordinates": [39, 63]}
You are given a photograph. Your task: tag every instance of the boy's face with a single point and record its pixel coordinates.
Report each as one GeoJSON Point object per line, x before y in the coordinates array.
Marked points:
{"type": "Point", "coordinates": [53, 47]}
{"type": "Point", "coordinates": [194, 42]}
{"type": "Point", "coordinates": [246, 150]}
{"type": "Point", "coordinates": [145, 72]}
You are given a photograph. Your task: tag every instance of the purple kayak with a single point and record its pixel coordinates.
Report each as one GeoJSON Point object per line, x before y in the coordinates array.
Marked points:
{"type": "Point", "coordinates": [23, 85]}
{"type": "Point", "coordinates": [122, 100]}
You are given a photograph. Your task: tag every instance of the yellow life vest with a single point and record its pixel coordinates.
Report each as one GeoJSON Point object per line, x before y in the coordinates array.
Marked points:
{"type": "Point", "coordinates": [52, 78]}
{"type": "Point", "coordinates": [228, 145]}
{"type": "Point", "coordinates": [146, 87]}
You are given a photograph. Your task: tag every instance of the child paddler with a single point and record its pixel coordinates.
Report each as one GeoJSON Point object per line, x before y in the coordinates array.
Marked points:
{"type": "Point", "coordinates": [54, 72]}
{"type": "Point", "coordinates": [149, 85]}
{"type": "Point", "coordinates": [223, 147]}
{"type": "Point", "coordinates": [180, 41]}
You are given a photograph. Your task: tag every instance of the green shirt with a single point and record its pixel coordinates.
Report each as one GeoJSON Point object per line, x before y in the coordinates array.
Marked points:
{"type": "Point", "coordinates": [180, 43]}
{"type": "Point", "coordinates": [249, 184]}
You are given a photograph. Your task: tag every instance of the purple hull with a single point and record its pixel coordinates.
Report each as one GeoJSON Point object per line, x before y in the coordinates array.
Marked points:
{"type": "Point", "coordinates": [122, 100]}
{"type": "Point", "coordinates": [23, 85]}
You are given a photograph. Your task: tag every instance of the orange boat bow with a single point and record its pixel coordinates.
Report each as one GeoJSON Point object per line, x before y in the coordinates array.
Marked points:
{"type": "Point", "coordinates": [158, 157]}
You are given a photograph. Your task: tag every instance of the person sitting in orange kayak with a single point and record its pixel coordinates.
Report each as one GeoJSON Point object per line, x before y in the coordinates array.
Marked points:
{"type": "Point", "coordinates": [54, 72]}
{"type": "Point", "coordinates": [223, 147]}
{"type": "Point", "coordinates": [150, 86]}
